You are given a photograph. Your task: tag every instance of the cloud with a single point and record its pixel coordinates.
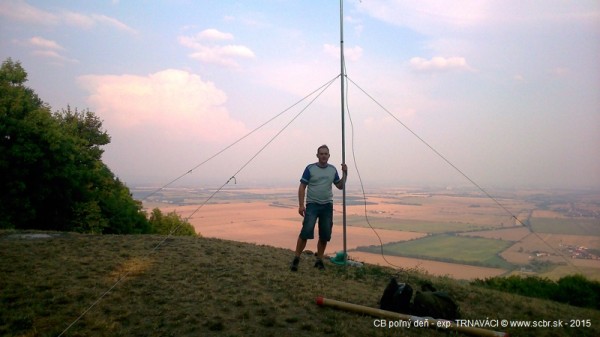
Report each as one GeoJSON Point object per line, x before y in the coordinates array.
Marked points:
{"type": "Point", "coordinates": [220, 54]}
{"type": "Point", "coordinates": [433, 17]}
{"type": "Point", "coordinates": [428, 17]}
{"type": "Point", "coordinates": [54, 56]}
{"type": "Point", "coordinates": [213, 34]}
{"type": "Point", "coordinates": [22, 11]}
{"type": "Point", "coordinates": [48, 49]}
{"type": "Point", "coordinates": [90, 21]}
{"type": "Point", "coordinates": [178, 103]}
{"type": "Point", "coordinates": [40, 42]}
{"type": "Point", "coordinates": [439, 64]}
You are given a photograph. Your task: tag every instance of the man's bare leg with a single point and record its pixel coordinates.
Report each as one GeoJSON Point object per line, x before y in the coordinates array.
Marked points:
{"type": "Point", "coordinates": [321, 245]}
{"type": "Point", "coordinates": [300, 245]}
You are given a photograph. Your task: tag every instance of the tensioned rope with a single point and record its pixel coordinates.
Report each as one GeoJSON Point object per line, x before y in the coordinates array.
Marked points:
{"type": "Point", "coordinates": [318, 92]}
{"type": "Point", "coordinates": [439, 154]}
{"type": "Point", "coordinates": [362, 186]}
{"type": "Point", "coordinates": [513, 216]}
{"type": "Point", "coordinates": [326, 85]}
{"type": "Point", "coordinates": [266, 145]}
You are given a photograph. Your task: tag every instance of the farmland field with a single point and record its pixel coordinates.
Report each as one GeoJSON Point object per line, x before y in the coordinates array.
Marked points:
{"type": "Point", "coordinates": [456, 249]}
{"type": "Point", "coordinates": [537, 231]}
{"type": "Point", "coordinates": [413, 225]}
{"type": "Point", "coordinates": [566, 226]}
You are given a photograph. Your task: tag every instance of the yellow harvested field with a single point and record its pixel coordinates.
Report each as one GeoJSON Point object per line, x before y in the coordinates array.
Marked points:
{"type": "Point", "coordinates": [261, 223]}
{"type": "Point", "coordinates": [269, 216]}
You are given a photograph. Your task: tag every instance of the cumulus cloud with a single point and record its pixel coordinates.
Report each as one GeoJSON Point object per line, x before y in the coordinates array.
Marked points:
{"type": "Point", "coordinates": [439, 64]}
{"type": "Point", "coordinates": [177, 102]}
{"type": "Point", "coordinates": [206, 48]}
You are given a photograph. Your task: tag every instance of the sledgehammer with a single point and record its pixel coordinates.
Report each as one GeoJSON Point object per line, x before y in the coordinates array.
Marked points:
{"type": "Point", "coordinates": [414, 320]}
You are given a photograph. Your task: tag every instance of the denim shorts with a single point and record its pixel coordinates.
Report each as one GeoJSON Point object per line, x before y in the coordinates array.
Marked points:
{"type": "Point", "coordinates": [324, 212]}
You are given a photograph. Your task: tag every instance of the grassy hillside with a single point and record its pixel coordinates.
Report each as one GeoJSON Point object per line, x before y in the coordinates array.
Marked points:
{"type": "Point", "coordinates": [192, 286]}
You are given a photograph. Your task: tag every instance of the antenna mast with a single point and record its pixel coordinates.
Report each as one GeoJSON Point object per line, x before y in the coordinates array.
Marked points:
{"type": "Point", "coordinates": [342, 80]}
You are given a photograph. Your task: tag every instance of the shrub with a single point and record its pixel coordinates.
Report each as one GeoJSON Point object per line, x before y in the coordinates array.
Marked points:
{"type": "Point", "coordinates": [575, 290]}
{"type": "Point", "coordinates": [169, 224]}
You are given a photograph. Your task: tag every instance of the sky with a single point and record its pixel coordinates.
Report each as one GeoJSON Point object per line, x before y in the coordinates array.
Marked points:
{"type": "Point", "coordinates": [506, 93]}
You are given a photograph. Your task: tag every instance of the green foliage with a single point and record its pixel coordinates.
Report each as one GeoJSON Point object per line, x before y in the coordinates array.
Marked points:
{"type": "Point", "coordinates": [12, 73]}
{"type": "Point", "coordinates": [575, 290]}
{"type": "Point", "coordinates": [170, 224]}
{"type": "Point", "coordinates": [53, 177]}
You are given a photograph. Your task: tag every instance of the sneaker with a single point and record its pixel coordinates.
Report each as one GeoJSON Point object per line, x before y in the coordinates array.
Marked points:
{"type": "Point", "coordinates": [295, 262]}
{"type": "Point", "coordinates": [319, 264]}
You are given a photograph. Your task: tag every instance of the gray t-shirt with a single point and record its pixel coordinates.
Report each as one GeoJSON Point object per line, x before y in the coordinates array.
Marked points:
{"type": "Point", "coordinates": [319, 180]}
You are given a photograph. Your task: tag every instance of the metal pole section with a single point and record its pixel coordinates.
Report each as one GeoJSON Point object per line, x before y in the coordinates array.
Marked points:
{"type": "Point", "coordinates": [415, 321]}
{"type": "Point", "coordinates": [342, 80]}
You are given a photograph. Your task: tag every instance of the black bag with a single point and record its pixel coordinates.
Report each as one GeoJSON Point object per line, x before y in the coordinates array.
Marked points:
{"type": "Point", "coordinates": [436, 304]}
{"type": "Point", "coordinates": [396, 297]}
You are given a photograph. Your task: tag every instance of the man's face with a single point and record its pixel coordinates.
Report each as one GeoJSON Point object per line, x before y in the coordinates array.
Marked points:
{"type": "Point", "coordinates": [323, 156]}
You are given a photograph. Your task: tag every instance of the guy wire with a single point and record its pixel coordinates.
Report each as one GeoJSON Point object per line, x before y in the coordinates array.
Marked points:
{"type": "Point", "coordinates": [327, 84]}
{"type": "Point", "coordinates": [363, 187]}
{"type": "Point", "coordinates": [265, 146]}
{"type": "Point", "coordinates": [320, 91]}
{"type": "Point", "coordinates": [463, 174]}
{"type": "Point", "coordinates": [440, 155]}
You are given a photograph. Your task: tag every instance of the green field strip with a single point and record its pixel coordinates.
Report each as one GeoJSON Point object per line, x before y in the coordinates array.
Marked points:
{"type": "Point", "coordinates": [449, 248]}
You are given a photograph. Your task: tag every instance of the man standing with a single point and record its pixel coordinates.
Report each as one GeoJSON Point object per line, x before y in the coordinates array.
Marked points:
{"type": "Point", "coordinates": [318, 177]}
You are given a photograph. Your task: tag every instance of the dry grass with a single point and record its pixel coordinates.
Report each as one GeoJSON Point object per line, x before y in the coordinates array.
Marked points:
{"type": "Point", "coordinates": [203, 287]}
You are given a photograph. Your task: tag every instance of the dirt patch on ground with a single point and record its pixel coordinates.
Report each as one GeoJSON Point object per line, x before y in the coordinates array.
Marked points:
{"type": "Point", "coordinates": [33, 236]}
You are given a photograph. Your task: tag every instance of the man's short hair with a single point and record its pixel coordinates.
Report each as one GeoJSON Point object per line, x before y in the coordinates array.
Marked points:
{"type": "Point", "coordinates": [323, 147]}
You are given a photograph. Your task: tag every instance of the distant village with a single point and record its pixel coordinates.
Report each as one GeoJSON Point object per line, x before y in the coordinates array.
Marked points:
{"type": "Point", "coordinates": [576, 212]}
{"type": "Point", "coordinates": [580, 252]}
{"type": "Point", "coordinates": [575, 252]}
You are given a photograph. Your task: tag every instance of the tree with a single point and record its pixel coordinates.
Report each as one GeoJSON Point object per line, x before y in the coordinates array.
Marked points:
{"type": "Point", "coordinates": [52, 175]}
{"type": "Point", "coordinates": [25, 133]}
